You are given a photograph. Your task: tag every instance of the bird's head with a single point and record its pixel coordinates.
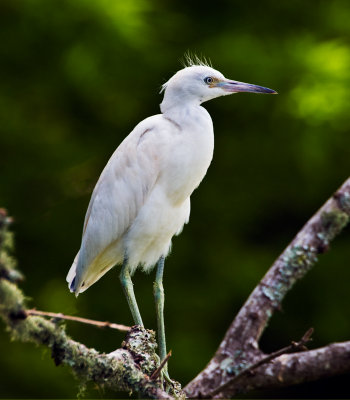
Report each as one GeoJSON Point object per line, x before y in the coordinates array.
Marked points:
{"type": "Point", "coordinates": [199, 83]}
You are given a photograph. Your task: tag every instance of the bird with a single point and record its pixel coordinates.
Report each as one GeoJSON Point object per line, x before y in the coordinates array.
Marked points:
{"type": "Point", "coordinates": [142, 197]}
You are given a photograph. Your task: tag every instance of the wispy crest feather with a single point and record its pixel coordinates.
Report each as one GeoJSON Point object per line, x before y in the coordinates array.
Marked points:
{"type": "Point", "coordinates": [189, 60]}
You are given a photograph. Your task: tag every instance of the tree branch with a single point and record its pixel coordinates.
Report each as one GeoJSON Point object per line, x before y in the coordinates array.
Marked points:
{"type": "Point", "coordinates": [239, 347]}
{"type": "Point", "coordinates": [296, 368]}
{"type": "Point", "coordinates": [99, 324]}
{"type": "Point", "coordinates": [126, 369]}
{"type": "Point", "coordinates": [294, 346]}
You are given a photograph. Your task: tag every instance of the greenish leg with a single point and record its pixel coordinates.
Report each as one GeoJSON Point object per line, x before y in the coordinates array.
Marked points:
{"type": "Point", "coordinates": [128, 288]}
{"type": "Point", "coordinates": [159, 300]}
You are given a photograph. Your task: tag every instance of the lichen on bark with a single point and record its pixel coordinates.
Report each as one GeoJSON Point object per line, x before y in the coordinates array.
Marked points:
{"type": "Point", "coordinates": [125, 369]}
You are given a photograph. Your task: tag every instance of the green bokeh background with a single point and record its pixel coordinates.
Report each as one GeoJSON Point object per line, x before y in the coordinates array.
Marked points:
{"type": "Point", "coordinates": [76, 77]}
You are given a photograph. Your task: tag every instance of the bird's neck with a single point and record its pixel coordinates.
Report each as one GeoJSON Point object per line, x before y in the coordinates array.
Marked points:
{"type": "Point", "coordinates": [182, 110]}
{"type": "Point", "coordinates": [186, 115]}
{"type": "Point", "coordinates": [175, 99]}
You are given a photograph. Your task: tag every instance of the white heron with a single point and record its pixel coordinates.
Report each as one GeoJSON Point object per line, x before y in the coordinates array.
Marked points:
{"type": "Point", "coordinates": [142, 198]}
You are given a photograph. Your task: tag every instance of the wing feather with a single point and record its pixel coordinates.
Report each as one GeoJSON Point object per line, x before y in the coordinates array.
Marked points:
{"type": "Point", "coordinates": [122, 189]}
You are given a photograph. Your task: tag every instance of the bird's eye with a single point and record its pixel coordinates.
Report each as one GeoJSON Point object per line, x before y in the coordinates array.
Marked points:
{"type": "Point", "coordinates": [208, 80]}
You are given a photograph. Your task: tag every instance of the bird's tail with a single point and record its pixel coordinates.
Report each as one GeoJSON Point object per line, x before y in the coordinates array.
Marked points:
{"type": "Point", "coordinates": [78, 282]}
{"type": "Point", "coordinates": [71, 276]}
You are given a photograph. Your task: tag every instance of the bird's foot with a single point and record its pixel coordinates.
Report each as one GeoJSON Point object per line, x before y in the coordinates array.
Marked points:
{"type": "Point", "coordinates": [167, 384]}
{"type": "Point", "coordinates": [165, 376]}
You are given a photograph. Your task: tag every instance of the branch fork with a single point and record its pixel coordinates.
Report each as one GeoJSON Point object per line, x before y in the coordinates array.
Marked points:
{"type": "Point", "coordinates": [243, 335]}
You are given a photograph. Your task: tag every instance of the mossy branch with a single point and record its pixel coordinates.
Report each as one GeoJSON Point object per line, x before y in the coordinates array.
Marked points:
{"type": "Point", "coordinates": [126, 369]}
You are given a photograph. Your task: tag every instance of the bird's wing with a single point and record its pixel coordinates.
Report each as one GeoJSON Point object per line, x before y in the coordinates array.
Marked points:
{"type": "Point", "coordinates": [120, 192]}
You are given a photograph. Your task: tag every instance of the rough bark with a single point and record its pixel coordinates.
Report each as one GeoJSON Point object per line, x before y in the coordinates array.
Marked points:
{"type": "Point", "coordinates": [291, 369]}
{"type": "Point", "coordinates": [240, 348]}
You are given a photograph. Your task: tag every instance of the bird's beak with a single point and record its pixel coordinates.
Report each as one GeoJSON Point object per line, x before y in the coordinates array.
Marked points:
{"type": "Point", "coordinates": [235, 87]}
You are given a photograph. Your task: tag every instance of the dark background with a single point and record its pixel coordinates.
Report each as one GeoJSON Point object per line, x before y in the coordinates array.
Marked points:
{"type": "Point", "coordinates": [76, 77]}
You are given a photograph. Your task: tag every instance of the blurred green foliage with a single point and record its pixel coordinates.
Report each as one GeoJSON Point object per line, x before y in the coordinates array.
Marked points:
{"type": "Point", "coordinates": [77, 76]}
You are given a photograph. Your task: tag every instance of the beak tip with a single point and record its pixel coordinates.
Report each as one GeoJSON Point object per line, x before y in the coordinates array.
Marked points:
{"type": "Point", "coordinates": [268, 91]}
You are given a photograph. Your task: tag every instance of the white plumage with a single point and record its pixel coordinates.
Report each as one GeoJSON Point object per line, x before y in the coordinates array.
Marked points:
{"type": "Point", "coordinates": [142, 198]}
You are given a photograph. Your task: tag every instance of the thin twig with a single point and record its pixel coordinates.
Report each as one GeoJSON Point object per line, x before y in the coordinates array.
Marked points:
{"type": "Point", "coordinates": [294, 346]}
{"type": "Point", "coordinates": [99, 324]}
{"type": "Point", "coordinates": [156, 373]}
